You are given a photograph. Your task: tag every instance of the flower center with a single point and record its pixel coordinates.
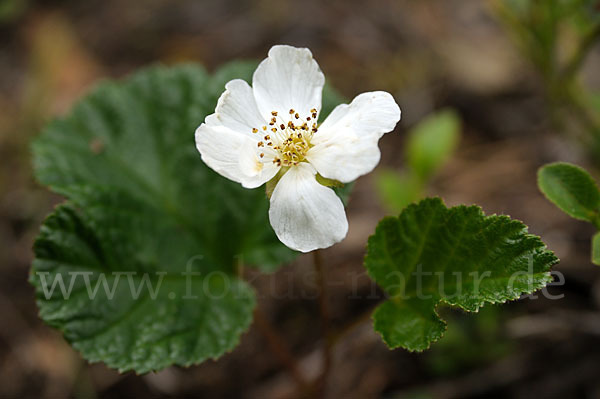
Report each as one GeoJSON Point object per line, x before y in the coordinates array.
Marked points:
{"type": "Point", "coordinates": [290, 139]}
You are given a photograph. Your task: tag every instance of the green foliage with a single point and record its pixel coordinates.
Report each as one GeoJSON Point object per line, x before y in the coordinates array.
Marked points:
{"type": "Point", "coordinates": [12, 9]}
{"type": "Point", "coordinates": [572, 189]}
{"type": "Point", "coordinates": [470, 341]}
{"type": "Point", "coordinates": [431, 254]}
{"type": "Point", "coordinates": [344, 192]}
{"type": "Point", "coordinates": [397, 189]}
{"type": "Point", "coordinates": [575, 192]}
{"type": "Point", "coordinates": [429, 145]}
{"type": "Point", "coordinates": [136, 311]}
{"type": "Point", "coordinates": [136, 138]}
{"type": "Point", "coordinates": [594, 100]}
{"type": "Point", "coordinates": [557, 36]}
{"type": "Point", "coordinates": [596, 249]}
{"type": "Point", "coordinates": [540, 24]}
{"type": "Point", "coordinates": [142, 203]}
{"type": "Point", "coordinates": [331, 99]}
{"type": "Point", "coordinates": [432, 142]}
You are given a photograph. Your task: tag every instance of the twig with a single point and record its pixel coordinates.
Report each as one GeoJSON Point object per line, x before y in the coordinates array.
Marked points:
{"type": "Point", "coordinates": [279, 348]}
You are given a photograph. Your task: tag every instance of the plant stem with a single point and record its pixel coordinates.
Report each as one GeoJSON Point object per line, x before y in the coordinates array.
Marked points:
{"type": "Point", "coordinates": [279, 348]}
{"type": "Point", "coordinates": [324, 312]}
{"type": "Point", "coordinates": [584, 48]}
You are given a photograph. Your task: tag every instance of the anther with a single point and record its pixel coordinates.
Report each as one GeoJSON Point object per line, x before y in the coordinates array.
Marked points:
{"type": "Point", "coordinates": [274, 113]}
{"type": "Point", "coordinates": [261, 144]}
{"type": "Point", "coordinates": [254, 130]}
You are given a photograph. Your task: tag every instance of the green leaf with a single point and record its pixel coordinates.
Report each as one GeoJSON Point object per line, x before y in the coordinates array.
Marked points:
{"type": "Point", "coordinates": [137, 310]}
{"type": "Point", "coordinates": [141, 202]}
{"type": "Point", "coordinates": [344, 192]}
{"type": "Point", "coordinates": [431, 254]}
{"type": "Point", "coordinates": [432, 142]}
{"type": "Point", "coordinates": [572, 189]}
{"type": "Point", "coordinates": [397, 189]}
{"type": "Point", "coordinates": [594, 100]}
{"type": "Point", "coordinates": [331, 99]}
{"type": "Point", "coordinates": [596, 249]}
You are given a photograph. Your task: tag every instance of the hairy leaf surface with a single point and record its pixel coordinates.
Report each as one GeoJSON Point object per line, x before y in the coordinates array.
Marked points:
{"type": "Point", "coordinates": [432, 254]}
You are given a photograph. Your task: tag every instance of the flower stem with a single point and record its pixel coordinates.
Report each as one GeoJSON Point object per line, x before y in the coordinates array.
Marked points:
{"type": "Point", "coordinates": [279, 348]}
{"type": "Point", "coordinates": [325, 320]}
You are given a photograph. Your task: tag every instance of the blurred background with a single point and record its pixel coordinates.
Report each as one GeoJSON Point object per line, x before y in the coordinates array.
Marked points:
{"type": "Point", "coordinates": [511, 85]}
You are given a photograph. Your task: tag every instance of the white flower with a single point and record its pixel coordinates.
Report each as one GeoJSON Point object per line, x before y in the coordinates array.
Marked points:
{"type": "Point", "coordinates": [270, 129]}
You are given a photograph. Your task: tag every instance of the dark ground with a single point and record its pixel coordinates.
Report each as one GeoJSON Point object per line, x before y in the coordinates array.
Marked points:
{"type": "Point", "coordinates": [429, 54]}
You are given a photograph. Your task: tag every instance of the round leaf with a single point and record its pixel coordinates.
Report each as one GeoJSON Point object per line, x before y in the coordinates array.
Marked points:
{"type": "Point", "coordinates": [143, 212]}
{"type": "Point", "coordinates": [431, 142]}
{"type": "Point", "coordinates": [572, 189]}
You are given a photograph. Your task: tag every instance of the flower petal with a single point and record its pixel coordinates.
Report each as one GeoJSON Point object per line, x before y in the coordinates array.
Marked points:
{"type": "Point", "coordinates": [233, 155]}
{"type": "Point", "coordinates": [237, 109]}
{"type": "Point", "coordinates": [289, 78]}
{"type": "Point", "coordinates": [304, 214]}
{"type": "Point", "coordinates": [257, 170]}
{"type": "Point", "coordinates": [345, 147]}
